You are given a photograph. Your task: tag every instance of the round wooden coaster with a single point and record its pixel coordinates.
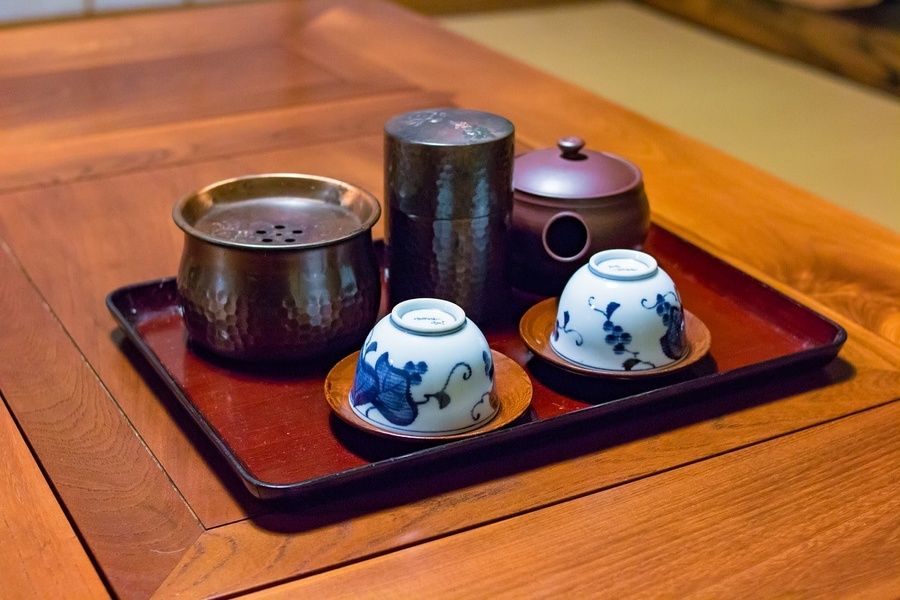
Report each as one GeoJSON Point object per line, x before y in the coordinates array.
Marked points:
{"type": "Point", "coordinates": [512, 389]}
{"type": "Point", "coordinates": [536, 325]}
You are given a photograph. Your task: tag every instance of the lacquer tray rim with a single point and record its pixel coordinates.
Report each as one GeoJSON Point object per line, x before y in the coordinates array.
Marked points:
{"type": "Point", "coordinates": [270, 490]}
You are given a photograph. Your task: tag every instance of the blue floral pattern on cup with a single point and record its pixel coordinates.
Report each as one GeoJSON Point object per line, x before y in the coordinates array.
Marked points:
{"type": "Point", "coordinates": [488, 364]}
{"type": "Point", "coordinates": [441, 395]}
{"type": "Point", "coordinates": [672, 342]}
{"type": "Point", "coordinates": [475, 413]}
{"type": "Point", "coordinates": [389, 389]}
{"type": "Point", "coordinates": [617, 337]}
{"type": "Point", "coordinates": [615, 303]}
{"type": "Point", "coordinates": [386, 387]}
{"type": "Point", "coordinates": [564, 328]}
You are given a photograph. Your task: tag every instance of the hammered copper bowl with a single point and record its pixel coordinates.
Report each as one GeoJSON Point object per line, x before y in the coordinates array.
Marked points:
{"type": "Point", "coordinates": [278, 266]}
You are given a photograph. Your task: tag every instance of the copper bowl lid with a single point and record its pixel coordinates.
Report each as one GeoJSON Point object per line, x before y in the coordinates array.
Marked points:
{"type": "Point", "coordinates": [570, 172]}
{"type": "Point", "coordinates": [277, 211]}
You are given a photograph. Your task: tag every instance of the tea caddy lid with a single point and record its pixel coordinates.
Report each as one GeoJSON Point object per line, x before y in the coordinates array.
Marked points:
{"type": "Point", "coordinates": [571, 172]}
{"type": "Point", "coordinates": [449, 127]}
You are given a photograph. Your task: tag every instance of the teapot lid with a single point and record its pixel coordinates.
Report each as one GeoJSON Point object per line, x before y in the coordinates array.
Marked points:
{"type": "Point", "coordinates": [571, 172]}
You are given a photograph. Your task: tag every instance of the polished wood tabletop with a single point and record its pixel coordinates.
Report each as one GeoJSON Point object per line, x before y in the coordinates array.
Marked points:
{"type": "Point", "coordinates": [784, 485]}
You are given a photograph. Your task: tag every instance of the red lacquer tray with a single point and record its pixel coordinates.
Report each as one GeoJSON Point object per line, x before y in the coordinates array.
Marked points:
{"type": "Point", "coordinates": [274, 427]}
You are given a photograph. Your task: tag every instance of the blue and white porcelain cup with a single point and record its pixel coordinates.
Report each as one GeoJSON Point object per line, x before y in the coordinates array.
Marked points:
{"type": "Point", "coordinates": [426, 370]}
{"type": "Point", "coordinates": [620, 312]}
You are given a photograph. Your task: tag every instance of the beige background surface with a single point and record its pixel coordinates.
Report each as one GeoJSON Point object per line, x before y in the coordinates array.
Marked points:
{"type": "Point", "coordinates": [823, 133]}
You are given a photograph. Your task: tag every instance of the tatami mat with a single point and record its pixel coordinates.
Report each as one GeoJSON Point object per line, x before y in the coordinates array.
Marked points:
{"type": "Point", "coordinates": [823, 133]}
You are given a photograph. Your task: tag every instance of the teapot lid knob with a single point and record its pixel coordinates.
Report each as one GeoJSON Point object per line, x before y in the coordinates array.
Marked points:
{"type": "Point", "coordinates": [570, 146]}
{"type": "Point", "coordinates": [571, 171]}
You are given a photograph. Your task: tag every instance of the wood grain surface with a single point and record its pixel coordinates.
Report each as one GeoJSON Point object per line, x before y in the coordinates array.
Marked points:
{"type": "Point", "coordinates": [811, 515]}
{"type": "Point", "coordinates": [125, 507]}
{"type": "Point", "coordinates": [108, 122]}
{"type": "Point", "coordinates": [32, 521]}
{"type": "Point", "coordinates": [304, 538]}
{"type": "Point", "coordinates": [37, 164]}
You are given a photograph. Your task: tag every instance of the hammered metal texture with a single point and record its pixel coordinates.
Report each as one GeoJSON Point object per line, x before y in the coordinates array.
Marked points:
{"type": "Point", "coordinates": [448, 164]}
{"type": "Point", "coordinates": [461, 260]}
{"type": "Point", "coordinates": [448, 190]}
{"type": "Point", "coordinates": [446, 185]}
{"type": "Point", "coordinates": [292, 304]}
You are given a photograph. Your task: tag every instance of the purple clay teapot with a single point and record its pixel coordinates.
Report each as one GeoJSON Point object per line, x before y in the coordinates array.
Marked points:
{"type": "Point", "coordinates": [569, 203]}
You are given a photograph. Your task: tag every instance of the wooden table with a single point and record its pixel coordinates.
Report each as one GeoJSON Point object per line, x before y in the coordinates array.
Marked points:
{"type": "Point", "coordinates": [784, 486]}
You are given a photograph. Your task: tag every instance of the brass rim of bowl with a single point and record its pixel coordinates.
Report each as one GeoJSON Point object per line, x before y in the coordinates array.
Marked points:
{"type": "Point", "coordinates": [189, 229]}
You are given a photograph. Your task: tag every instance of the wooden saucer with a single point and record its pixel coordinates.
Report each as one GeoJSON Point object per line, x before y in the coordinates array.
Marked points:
{"type": "Point", "coordinates": [512, 388]}
{"type": "Point", "coordinates": [537, 323]}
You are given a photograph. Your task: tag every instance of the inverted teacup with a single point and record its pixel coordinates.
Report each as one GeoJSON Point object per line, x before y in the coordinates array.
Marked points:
{"type": "Point", "coordinates": [425, 369]}
{"type": "Point", "coordinates": [620, 312]}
